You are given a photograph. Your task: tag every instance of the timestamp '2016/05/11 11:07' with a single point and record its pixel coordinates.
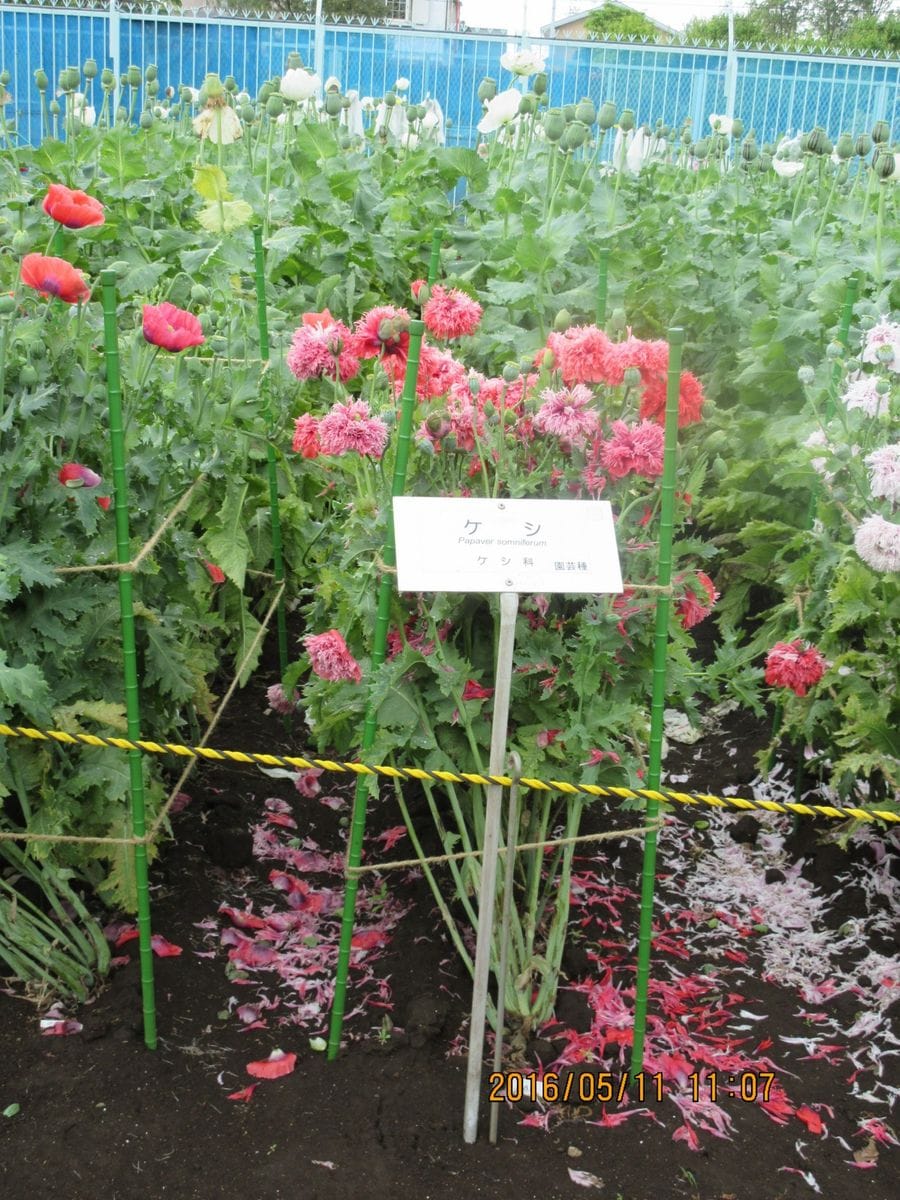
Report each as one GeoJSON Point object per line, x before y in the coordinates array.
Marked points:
{"type": "Point", "coordinates": [589, 1087]}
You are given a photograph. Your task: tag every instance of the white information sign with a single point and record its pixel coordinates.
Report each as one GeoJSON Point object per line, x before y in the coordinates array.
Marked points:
{"type": "Point", "coordinates": [469, 545]}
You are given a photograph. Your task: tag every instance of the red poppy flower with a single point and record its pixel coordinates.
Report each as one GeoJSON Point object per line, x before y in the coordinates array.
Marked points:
{"type": "Point", "coordinates": [216, 574]}
{"type": "Point", "coordinates": [171, 328]}
{"type": "Point", "coordinates": [74, 475]}
{"type": "Point", "coordinates": [104, 502]}
{"type": "Point", "coordinates": [474, 691]}
{"type": "Point", "coordinates": [73, 209]}
{"type": "Point", "coordinates": [54, 277]}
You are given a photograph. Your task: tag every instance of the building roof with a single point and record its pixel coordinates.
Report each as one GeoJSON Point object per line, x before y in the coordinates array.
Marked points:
{"type": "Point", "coordinates": [550, 29]}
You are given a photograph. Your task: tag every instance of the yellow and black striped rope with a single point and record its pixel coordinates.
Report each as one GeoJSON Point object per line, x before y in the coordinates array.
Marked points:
{"type": "Point", "coordinates": [295, 762]}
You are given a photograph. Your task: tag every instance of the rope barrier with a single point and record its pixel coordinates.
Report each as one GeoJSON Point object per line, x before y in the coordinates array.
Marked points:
{"type": "Point", "coordinates": [296, 762]}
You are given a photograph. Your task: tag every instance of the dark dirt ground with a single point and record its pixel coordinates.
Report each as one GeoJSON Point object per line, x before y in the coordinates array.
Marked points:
{"type": "Point", "coordinates": [101, 1116]}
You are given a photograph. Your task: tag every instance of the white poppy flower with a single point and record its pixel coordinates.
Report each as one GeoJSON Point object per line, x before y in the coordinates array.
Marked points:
{"type": "Point", "coordinates": [367, 104]}
{"type": "Point", "coordinates": [332, 84]}
{"type": "Point", "coordinates": [402, 84]}
{"type": "Point", "coordinates": [297, 84]}
{"type": "Point", "coordinates": [525, 61]}
{"type": "Point", "coordinates": [195, 95]}
{"type": "Point", "coordinates": [634, 157]}
{"type": "Point", "coordinates": [351, 117]}
{"type": "Point", "coordinates": [502, 110]}
{"type": "Point", "coordinates": [411, 141]}
{"type": "Point", "coordinates": [786, 167]}
{"type": "Point", "coordinates": [721, 124]}
{"type": "Point", "coordinates": [220, 125]}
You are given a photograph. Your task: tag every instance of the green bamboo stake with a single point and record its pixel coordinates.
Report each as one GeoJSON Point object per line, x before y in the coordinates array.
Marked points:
{"type": "Point", "coordinates": [657, 704]}
{"type": "Point", "coordinates": [602, 284]}
{"type": "Point", "coordinates": [370, 728]}
{"type": "Point", "coordinates": [435, 261]}
{"type": "Point", "coordinates": [129, 650]}
{"type": "Point", "coordinates": [271, 468]}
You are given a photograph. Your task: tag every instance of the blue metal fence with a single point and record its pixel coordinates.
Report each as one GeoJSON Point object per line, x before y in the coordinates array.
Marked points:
{"type": "Point", "coordinates": [775, 94]}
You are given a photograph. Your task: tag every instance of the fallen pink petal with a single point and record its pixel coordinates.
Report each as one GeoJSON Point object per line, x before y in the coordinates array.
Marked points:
{"type": "Point", "coordinates": [274, 1067]}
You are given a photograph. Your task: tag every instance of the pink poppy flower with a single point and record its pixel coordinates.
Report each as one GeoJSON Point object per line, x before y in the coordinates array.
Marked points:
{"type": "Point", "coordinates": [350, 427]}
{"type": "Point", "coordinates": [330, 658]}
{"type": "Point", "coordinates": [566, 415]}
{"type": "Point", "coordinates": [383, 332]}
{"type": "Point", "coordinates": [306, 437]}
{"type": "Point", "coordinates": [171, 328]}
{"type": "Point", "coordinates": [54, 277]}
{"type": "Point", "coordinates": [278, 701]}
{"type": "Point", "coordinates": [450, 313]}
{"type": "Point", "coordinates": [653, 399]}
{"type": "Point", "coordinates": [277, 1064]}
{"type": "Point", "coordinates": [585, 354]}
{"type": "Point", "coordinates": [691, 608]}
{"type": "Point", "coordinates": [74, 209]}
{"type": "Point", "coordinates": [634, 448]}
{"type": "Point", "coordinates": [796, 665]}
{"type": "Point", "coordinates": [474, 691]}
{"type": "Point", "coordinates": [322, 349]}
{"type": "Point", "coordinates": [74, 475]}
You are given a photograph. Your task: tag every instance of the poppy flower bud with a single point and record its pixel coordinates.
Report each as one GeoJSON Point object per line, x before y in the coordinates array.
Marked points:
{"type": "Point", "coordinates": [21, 241]}
{"type": "Point", "coordinates": [7, 305]}
{"type": "Point", "coordinates": [247, 113]}
{"type": "Point", "coordinates": [511, 372]}
{"type": "Point", "coordinates": [737, 127]}
{"type": "Point", "coordinates": [146, 121]}
{"type": "Point", "coordinates": [200, 294]}
{"type": "Point", "coordinates": [90, 69]}
{"type": "Point", "coordinates": [585, 111]}
{"type": "Point", "coordinates": [719, 467]}
{"type": "Point", "coordinates": [632, 377]}
{"type": "Point", "coordinates": [333, 104]}
{"type": "Point", "coordinates": [133, 77]}
{"type": "Point", "coordinates": [606, 118]}
{"type": "Point", "coordinates": [884, 166]}
{"type": "Point", "coordinates": [107, 79]}
{"type": "Point", "coordinates": [881, 131]}
{"type": "Point", "coordinates": [436, 423]}
{"type": "Point", "coordinates": [28, 376]}
{"type": "Point", "coordinates": [834, 350]}
{"type": "Point", "coordinates": [569, 112]}
{"type": "Point", "coordinates": [554, 124]}
{"type": "Point", "coordinates": [487, 89]}
{"type": "Point", "coordinates": [474, 384]}
{"type": "Point", "coordinates": [539, 84]}
{"type": "Point", "coordinates": [390, 99]}
{"type": "Point", "coordinates": [274, 105]}
{"type": "Point", "coordinates": [626, 121]}
{"type": "Point", "coordinates": [528, 104]}
{"type": "Point", "coordinates": [575, 135]}
{"type": "Point", "coordinates": [426, 447]}
{"type": "Point", "coordinates": [863, 145]}
{"type": "Point", "coordinates": [548, 362]}
{"type": "Point", "coordinates": [490, 412]}
{"type": "Point", "coordinates": [562, 320]}
{"type": "Point", "coordinates": [40, 79]}
{"type": "Point", "coordinates": [212, 85]}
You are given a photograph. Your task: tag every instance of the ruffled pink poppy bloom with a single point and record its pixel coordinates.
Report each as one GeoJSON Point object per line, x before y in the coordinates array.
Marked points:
{"type": "Point", "coordinates": [450, 313]}
{"type": "Point", "coordinates": [633, 448]}
{"type": "Point", "coordinates": [278, 701]}
{"type": "Point", "coordinates": [171, 328]}
{"type": "Point", "coordinates": [691, 608]}
{"type": "Point", "coordinates": [351, 428]}
{"type": "Point", "coordinates": [796, 665]}
{"type": "Point", "coordinates": [322, 349]}
{"type": "Point", "coordinates": [584, 354]}
{"type": "Point", "coordinates": [383, 332]}
{"type": "Point", "coordinates": [566, 415]}
{"type": "Point", "coordinates": [653, 398]}
{"type": "Point", "coordinates": [330, 658]}
{"type": "Point", "coordinates": [306, 437]}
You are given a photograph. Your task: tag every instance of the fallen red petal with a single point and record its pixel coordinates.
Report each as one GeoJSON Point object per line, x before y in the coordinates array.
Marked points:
{"type": "Point", "coordinates": [277, 1064]}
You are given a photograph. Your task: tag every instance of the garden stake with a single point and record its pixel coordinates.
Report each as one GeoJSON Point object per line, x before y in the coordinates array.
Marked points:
{"type": "Point", "coordinates": [512, 828]}
{"type": "Point", "coordinates": [509, 606]}
{"type": "Point", "coordinates": [271, 469]}
{"type": "Point", "coordinates": [435, 261]}
{"type": "Point", "coordinates": [129, 650]}
{"type": "Point", "coordinates": [602, 282]}
{"type": "Point", "coordinates": [658, 697]}
{"type": "Point", "coordinates": [379, 649]}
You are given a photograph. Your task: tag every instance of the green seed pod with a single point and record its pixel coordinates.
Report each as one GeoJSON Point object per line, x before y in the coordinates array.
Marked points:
{"type": "Point", "coordinates": [554, 124]}
{"type": "Point", "coordinates": [41, 80]}
{"type": "Point", "coordinates": [107, 79]}
{"type": "Point", "coordinates": [719, 467]}
{"type": "Point", "coordinates": [186, 95]}
{"type": "Point", "coordinates": [152, 87]}
{"type": "Point", "coordinates": [294, 61]}
{"type": "Point", "coordinates": [844, 147]}
{"type": "Point", "coordinates": [390, 99]}
{"type": "Point", "coordinates": [863, 145]}
{"type": "Point", "coordinates": [881, 131]}
{"type": "Point", "coordinates": [121, 115]}
{"type": "Point", "coordinates": [474, 384]}
{"type": "Point", "coordinates": [200, 294]}
{"type": "Point", "coordinates": [834, 351]}
{"type": "Point", "coordinates": [749, 150]}
{"type": "Point", "coordinates": [606, 118]}
{"type": "Point", "coordinates": [7, 305]}
{"type": "Point", "coordinates": [511, 372]}
{"type": "Point", "coordinates": [686, 135]}
{"type": "Point", "coordinates": [562, 320]}
{"type": "Point", "coordinates": [632, 377]}
{"type": "Point", "coordinates": [146, 121]}
{"type": "Point", "coordinates": [701, 149]}
{"type": "Point", "coordinates": [90, 69]}
{"type": "Point", "coordinates": [275, 105]}
{"type": "Point", "coordinates": [231, 85]}
{"type": "Point", "coordinates": [885, 354]}
{"type": "Point", "coordinates": [626, 121]}
{"type": "Point", "coordinates": [333, 104]}
{"type": "Point", "coordinates": [528, 104]}
{"type": "Point", "coordinates": [575, 135]}
{"type": "Point", "coordinates": [133, 77]}
{"type": "Point", "coordinates": [568, 111]}
{"type": "Point", "coordinates": [5, 77]}
{"type": "Point", "coordinates": [263, 94]}
{"type": "Point", "coordinates": [585, 111]}
{"type": "Point", "coordinates": [55, 110]}
{"type": "Point", "coordinates": [345, 102]}
{"type": "Point", "coordinates": [883, 387]}
{"type": "Point", "coordinates": [815, 140]}
{"type": "Point", "coordinates": [884, 166]}
{"type": "Point", "coordinates": [487, 89]}
{"type": "Point", "coordinates": [737, 127]}
{"type": "Point", "coordinates": [150, 73]}
{"type": "Point", "coordinates": [539, 84]}
{"type": "Point", "coordinates": [764, 161]}
{"type": "Point", "coordinates": [247, 113]}
{"type": "Point", "coordinates": [212, 85]}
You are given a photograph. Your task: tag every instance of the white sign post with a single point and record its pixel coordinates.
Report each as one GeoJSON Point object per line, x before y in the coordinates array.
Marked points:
{"type": "Point", "coordinates": [505, 546]}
